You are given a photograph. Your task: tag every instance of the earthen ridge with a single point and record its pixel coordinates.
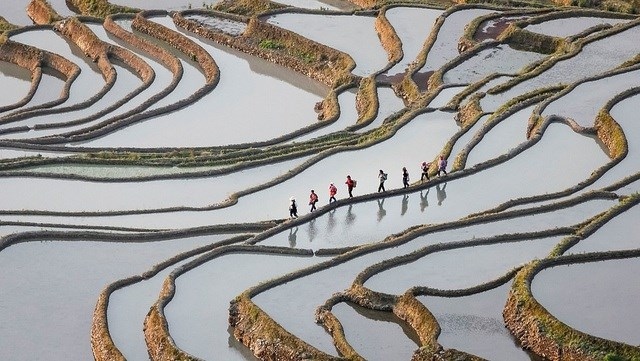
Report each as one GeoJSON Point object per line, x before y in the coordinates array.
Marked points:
{"type": "Point", "coordinates": [330, 66]}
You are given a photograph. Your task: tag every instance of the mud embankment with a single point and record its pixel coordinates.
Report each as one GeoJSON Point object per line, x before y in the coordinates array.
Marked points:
{"type": "Point", "coordinates": [283, 47]}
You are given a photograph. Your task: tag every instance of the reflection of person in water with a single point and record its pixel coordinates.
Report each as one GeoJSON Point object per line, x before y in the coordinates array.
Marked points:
{"type": "Point", "coordinates": [331, 220]}
{"type": "Point", "coordinates": [381, 211]}
{"type": "Point", "coordinates": [293, 237]}
{"type": "Point", "coordinates": [424, 202]}
{"type": "Point", "coordinates": [312, 230]}
{"type": "Point", "coordinates": [350, 216]}
{"type": "Point", "coordinates": [441, 193]}
{"type": "Point", "coordinates": [405, 204]}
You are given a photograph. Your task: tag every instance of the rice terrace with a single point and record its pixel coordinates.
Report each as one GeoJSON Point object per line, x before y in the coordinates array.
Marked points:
{"type": "Point", "coordinates": [151, 152]}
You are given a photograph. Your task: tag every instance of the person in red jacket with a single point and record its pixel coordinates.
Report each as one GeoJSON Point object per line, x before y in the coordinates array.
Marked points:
{"type": "Point", "coordinates": [313, 199]}
{"type": "Point", "coordinates": [332, 193]}
{"type": "Point", "coordinates": [350, 185]}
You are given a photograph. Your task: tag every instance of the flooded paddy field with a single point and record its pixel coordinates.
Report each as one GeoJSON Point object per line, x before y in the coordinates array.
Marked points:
{"type": "Point", "coordinates": [150, 161]}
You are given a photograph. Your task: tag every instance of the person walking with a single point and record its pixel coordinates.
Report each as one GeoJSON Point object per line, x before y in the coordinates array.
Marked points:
{"type": "Point", "coordinates": [293, 208]}
{"type": "Point", "coordinates": [405, 177]}
{"type": "Point", "coordinates": [313, 199]}
{"type": "Point", "coordinates": [332, 193]}
{"type": "Point", "coordinates": [442, 166]}
{"type": "Point", "coordinates": [350, 185]}
{"type": "Point", "coordinates": [382, 176]}
{"type": "Point", "coordinates": [425, 171]}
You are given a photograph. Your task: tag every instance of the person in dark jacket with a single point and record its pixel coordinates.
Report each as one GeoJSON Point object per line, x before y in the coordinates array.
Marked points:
{"type": "Point", "coordinates": [382, 176]}
{"type": "Point", "coordinates": [293, 208]}
{"type": "Point", "coordinates": [405, 177]}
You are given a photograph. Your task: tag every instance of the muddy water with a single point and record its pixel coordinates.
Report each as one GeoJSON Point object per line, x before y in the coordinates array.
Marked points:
{"type": "Point", "coordinates": [584, 102]}
{"type": "Point", "coordinates": [16, 83]}
{"type": "Point", "coordinates": [412, 25]}
{"type": "Point", "coordinates": [595, 58]}
{"type": "Point", "coordinates": [474, 324]}
{"type": "Point", "coordinates": [198, 316]}
{"type": "Point", "coordinates": [50, 289]}
{"type": "Point", "coordinates": [376, 335]}
{"type": "Point", "coordinates": [570, 26]}
{"type": "Point", "coordinates": [499, 59]}
{"type": "Point", "coordinates": [599, 305]}
{"type": "Point", "coordinates": [462, 267]}
{"type": "Point", "coordinates": [354, 35]}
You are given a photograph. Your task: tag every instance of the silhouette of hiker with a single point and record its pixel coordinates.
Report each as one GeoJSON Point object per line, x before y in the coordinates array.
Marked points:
{"type": "Point", "coordinates": [441, 193]}
{"type": "Point", "coordinates": [405, 204]}
{"type": "Point", "coordinates": [405, 177]}
{"type": "Point", "coordinates": [424, 202]}
{"type": "Point", "coordinates": [293, 208]}
{"type": "Point", "coordinates": [382, 177]}
{"type": "Point", "coordinates": [293, 237]}
{"type": "Point", "coordinates": [381, 211]}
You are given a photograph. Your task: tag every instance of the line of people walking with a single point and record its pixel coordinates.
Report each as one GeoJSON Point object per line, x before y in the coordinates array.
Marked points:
{"type": "Point", "coordinates": [352, 183]}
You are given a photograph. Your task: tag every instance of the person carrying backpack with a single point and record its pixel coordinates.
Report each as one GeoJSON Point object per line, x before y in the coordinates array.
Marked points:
{"type": "Point", "coordinates": [350, 185]}
{"type": "Point", "coordinates": [332, 193]}
{"type": "Point", "coordinates": [442, 166]}
{"type": "Point", "coordinates": [425, 171]}
{"type": "Point", "coordinates": [313, 199]}
{"type": "Point", "coordinates": [405, 177]}
{"type": "Point", "coordinates": [382, 176]}
{"type": "Point", "coordinates": [293, 208]}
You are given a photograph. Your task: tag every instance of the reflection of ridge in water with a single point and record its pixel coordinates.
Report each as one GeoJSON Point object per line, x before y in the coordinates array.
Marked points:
{"type": "Point", "coordinates": [386, 317]}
